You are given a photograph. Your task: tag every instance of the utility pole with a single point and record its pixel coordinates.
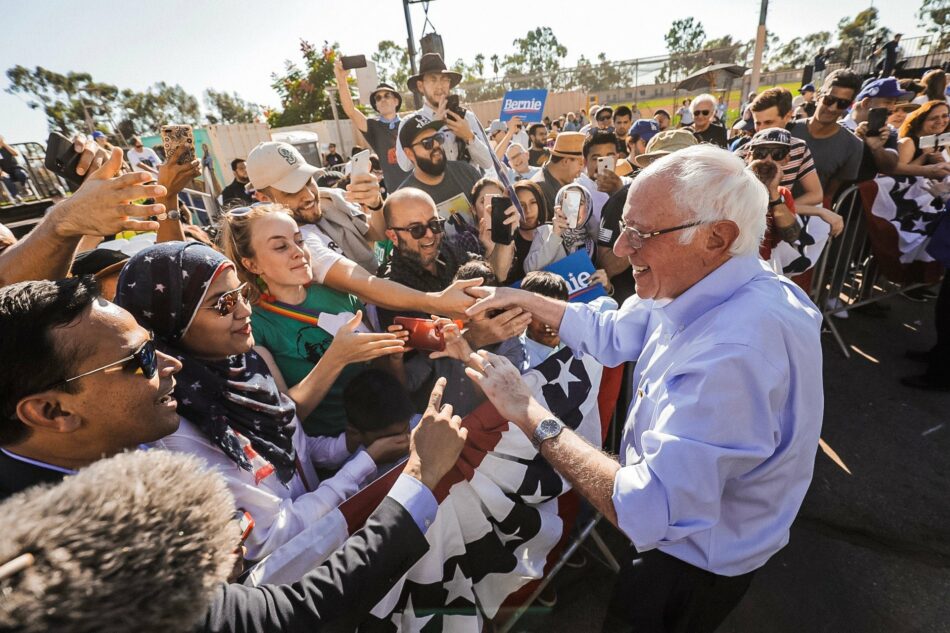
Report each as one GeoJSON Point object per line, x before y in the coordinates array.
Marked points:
{"type": "Point", "coordinates": [759, 48]}
{"type": "Point", "coordinates": [412, 50]}
{"type": "Point", "coordinates": [331, 92]}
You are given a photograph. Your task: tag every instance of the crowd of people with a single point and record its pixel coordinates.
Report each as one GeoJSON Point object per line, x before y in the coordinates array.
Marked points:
{"type": "Point", "coordinates": [270, 363]}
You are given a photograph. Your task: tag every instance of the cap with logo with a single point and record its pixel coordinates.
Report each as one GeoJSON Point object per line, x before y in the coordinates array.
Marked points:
{"type": "Point", "coordinates": [666, 142]}
{"type": "Point", "coordinates": [645, 129]}
{"type": "Point", "coordinates": [771, 136]}
{"type": "Point", "coordinates": [886, 88]}
{"type": "Point", "coordinates": [278, 165]}
{"type": "Point", "coordinates": [413, 126]}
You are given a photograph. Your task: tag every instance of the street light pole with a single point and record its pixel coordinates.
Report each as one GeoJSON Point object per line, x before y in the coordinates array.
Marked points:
{"type": "Point", "coordinates": [412, 51]}
{"type": "Point", "coordinates": [759, 48]}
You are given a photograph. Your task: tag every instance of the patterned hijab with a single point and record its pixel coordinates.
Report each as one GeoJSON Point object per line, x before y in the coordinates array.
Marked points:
{"type": "Point", "coordinates": [579, 236]}
{"type": "Point", "coordinates": [233, 401]}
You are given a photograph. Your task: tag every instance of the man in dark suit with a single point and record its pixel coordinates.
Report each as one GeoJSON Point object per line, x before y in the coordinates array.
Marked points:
{"type": "Point", "coordinates": [163, 527]}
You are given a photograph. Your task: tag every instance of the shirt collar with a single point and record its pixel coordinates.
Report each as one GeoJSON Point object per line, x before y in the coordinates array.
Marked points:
{"type": "Point", "coordinates": [37, 463]}
{"type": "Point", "coordinates": [711, 290]}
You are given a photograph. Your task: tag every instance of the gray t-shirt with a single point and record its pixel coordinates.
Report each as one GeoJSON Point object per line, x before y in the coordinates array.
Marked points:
{"type": "Point", "coordinates": [454, 194]}
{"type": "Point", "coordinates": [837, 157]}
{"type": "Point", "coordinates": [381, 136]}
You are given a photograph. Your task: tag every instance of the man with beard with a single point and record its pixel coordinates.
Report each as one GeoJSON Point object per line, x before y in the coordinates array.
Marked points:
{"type": "Point", "coordinates": [280, 174]}
{"type": "Point", "coordinates": [448, 182]}
{"type": "Point", "coordinates": [464, 135]}
{"type": "Point", "coordinates": [236, 192]}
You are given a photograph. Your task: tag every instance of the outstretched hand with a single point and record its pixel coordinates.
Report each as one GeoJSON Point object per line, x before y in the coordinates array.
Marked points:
{"type": "Point", "coordinates": [503, 386]}
{"type": "Point", "coordinates": [101, 206]}
{"type": "Point", "coordinates": [350, 346]}
{"type": "Point", "coordinates": [436, 443]}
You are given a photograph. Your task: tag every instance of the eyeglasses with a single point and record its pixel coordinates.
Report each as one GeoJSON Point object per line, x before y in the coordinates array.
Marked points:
{"type": "Point", "coordinates": [418, 231]}
{"type": "Point", "coordinates": [227, 302]}
{"type": "Point", "coordinates": [636, 238]}
{"type": "Point", "coordinates": [831, 100]}
{"type": "Point", "coordinates": [777, 153]}
{"type": "Point", "coordinates": [702, 112]}
{"type": "Point", "coordinates": [429, 143]}
{"type": "Point", "coordinates": [145, 358]}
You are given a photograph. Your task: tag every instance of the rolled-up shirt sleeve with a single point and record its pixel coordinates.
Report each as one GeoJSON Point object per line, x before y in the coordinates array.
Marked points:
{"type": "Point", "coordinates": [714, 418]}
{"type": "Point", "coordinates": [612, 337]}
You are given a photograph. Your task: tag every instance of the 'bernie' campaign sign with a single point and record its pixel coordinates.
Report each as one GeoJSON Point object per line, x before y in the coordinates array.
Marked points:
{"type": "Point", "coordinates": [576, 269]}
{"type": "Point", "coordinates": [528, 104]}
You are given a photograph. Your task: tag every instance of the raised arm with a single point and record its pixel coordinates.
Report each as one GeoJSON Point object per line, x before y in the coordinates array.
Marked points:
{"type": "Point", "coordinates": [346, 99]}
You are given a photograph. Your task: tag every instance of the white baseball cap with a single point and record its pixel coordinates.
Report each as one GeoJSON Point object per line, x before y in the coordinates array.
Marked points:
{"type": "Point", "coordinates": [278, 165]}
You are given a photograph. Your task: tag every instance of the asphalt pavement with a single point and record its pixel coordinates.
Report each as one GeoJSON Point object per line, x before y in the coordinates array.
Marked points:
{"type": "Point", "coordinates": [870, 549]}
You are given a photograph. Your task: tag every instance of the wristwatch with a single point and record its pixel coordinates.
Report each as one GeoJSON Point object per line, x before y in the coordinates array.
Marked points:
{"type": "Point", "coordinates": [174, 214]}
{"type": "Point", "coordinates": [776, 202]}
{"type": "Point", "coordinates": [548, 429]}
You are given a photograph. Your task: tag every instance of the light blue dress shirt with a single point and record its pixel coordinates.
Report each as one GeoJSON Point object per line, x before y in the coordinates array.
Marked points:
{"type": "Point", "coordinates": [720, 440]}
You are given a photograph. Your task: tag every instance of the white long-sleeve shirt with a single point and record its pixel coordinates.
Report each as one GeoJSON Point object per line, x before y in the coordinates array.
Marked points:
{"type": "Point", "coordinates": [478, 148]}
{"type": "Point", "coordinates": [280, 511]}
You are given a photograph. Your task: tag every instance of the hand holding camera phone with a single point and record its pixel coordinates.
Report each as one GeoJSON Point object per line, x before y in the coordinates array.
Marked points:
{"type": "Point", "coordinates": [175, 136]}
{"type": "Point", "coordinates": [452, 105]}
{"type": "Point", "coordinates": [500, 232]}
{"type": "Point", "coordinates": [424, 334]}
{"type": "Point", "coordinates": [571, 207]}
{"type": "Point", "coordinates": [360, 163]}
{"type": "Point", "coordinates": [877, 119]}
{"type": "Point", "coordinates": [351, 62]}
{"type": "Point", "coordinates": [605, 163]}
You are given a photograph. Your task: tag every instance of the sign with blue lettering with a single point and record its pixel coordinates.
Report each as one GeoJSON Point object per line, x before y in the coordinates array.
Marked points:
{"type": "Point", "coordinates": [528, 104]}
{"type": "Point", "coordinates": [576, 270]}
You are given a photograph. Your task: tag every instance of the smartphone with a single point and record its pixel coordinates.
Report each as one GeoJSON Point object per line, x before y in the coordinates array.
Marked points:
{"type": "Point", "coordinates": [927, 142]}
{"type": "Point", "coordinates": [360, 163]}
{"type": "Point", "coordinates": [174, 136]}
{"type": "Point", "coordinates": [606, 163]}
{"type": "Point", "coordinates": [62, 158]}
{"type": "Point", "coordinates": [245, 523]}
{"type": "Point", "coordinates": [423, 334]}
{"type": "Point", "coordinates": [943, 140]}
{"type": "Point", "coordinates": [877, 119]}
{"type": "Point", "coordinates": [353, 61]}
{"type": "Point", "coordinates": [452, 105]}
{"type": "Point", "coordinates": [500, 232]}
{"type": "Point", "coordinates": [571, 206]}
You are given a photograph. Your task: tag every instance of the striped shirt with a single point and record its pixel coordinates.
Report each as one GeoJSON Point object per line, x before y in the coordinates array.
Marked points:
{"type": "Point", "coordinates": [800, 162]}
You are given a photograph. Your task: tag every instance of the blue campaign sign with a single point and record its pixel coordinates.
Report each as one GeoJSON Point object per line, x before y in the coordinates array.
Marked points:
{"type": "Point", "coordinates": [528, 104]}
{"type": "Point", "coordinates": [576, 270]}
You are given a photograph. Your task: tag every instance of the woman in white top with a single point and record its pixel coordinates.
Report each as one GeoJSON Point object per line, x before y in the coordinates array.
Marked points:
{"type": "Point", "coordinates": [233, 414]}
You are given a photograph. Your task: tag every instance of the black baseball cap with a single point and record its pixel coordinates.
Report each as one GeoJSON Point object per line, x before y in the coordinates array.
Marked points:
{"type": "Point", "coordinates": [413, 126]}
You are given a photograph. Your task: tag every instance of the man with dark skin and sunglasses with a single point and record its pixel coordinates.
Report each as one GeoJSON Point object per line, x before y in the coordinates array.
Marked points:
{"type": "Point", "coordinates": [836, 151]}
{"type": "Point", "coordinates": [80, 381]}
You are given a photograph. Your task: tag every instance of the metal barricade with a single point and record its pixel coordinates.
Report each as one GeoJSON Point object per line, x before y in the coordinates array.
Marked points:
{"type": "Point", "coordinates": [846, 275]}
{"type": "Point", "coordinates": [203, 206]}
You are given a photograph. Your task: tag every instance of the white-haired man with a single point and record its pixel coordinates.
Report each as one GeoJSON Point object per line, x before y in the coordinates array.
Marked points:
{"type": "Point", "coordinates": [719, 443]}
{"type": "Point", "coordinates": [704, 109]}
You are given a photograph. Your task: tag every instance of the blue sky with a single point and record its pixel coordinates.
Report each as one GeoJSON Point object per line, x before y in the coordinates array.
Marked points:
{"type": "Point", "coordinates": [236, 45]}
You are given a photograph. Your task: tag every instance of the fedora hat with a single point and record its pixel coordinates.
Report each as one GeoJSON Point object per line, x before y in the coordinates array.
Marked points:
{"type": "Point", "coordinates": [569, 145]}
{"type": "Point", "coordinates": [433, 63]}
{"type": "Point", "coordinates": [384, 87]}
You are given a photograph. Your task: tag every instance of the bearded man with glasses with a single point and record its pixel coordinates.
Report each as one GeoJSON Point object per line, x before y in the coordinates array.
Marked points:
{"type": "Point", "coordinates": [719, 443]}
{"type": "Point", "coordinates": [80, 380]}
{"type": "Point", "coordinates": [837, 152]}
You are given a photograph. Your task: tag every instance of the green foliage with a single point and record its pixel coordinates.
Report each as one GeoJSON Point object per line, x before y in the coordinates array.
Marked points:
{"type": "Point", "coordinates": [392, 64]}
{"type": "Point", "coordinates": [860, 35]}
{"type": "Point", "coordinates": [226, 107]}
{"type": "Point", "coordinates": [934, 16]}
{"type": "Point", "coordinates": [303, 91]}
{"type": "Point", "coordinates": [799, 51]}
{"type": "Point", "coordinates": [160, 104]}
{"type": "Point", "coordinates": [601, 75]}
{"type": "Point", "coordinates": [683, 40]}
{"type": "Point", "coordinates": [538, 54]}
{"type": "Point", "coordinates": [72, 102]}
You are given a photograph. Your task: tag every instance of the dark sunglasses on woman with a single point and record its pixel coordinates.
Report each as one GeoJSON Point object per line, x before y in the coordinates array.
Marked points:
{"type": "Point", "coordinates": [702, 112]}
{"type": "Point", "coordinates": [777, 153]}
{"type": "Point", "coordinates": [418, 231]}
{"type": "Point", "coordinates": [227, 302]}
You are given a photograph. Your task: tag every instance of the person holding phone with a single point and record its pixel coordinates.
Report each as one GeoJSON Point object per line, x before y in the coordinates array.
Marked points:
{"type": "Point", "coordinates": [379, 131]}
{"type": "Point", "coordinates": [465, 138]}
{"type": "Point", "coordinates": [143, 158]}
{"type": "Point", "coordinates": [930, 119]}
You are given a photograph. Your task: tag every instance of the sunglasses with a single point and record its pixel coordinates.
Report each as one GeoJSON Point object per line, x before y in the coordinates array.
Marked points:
{"type": "Point", "coordinates": [227, 302]}
{"type": "Point", "coordinates": [777, 153]}
{"type": "Point", "coordinates": [145, 358]}
{"type": "Point", "coordinates": [418, 231]}
{"type": "Point", "coordinates": [429, 143]}
{"type": "Point", "coordinates": [702, 112]}
{"type": "Point", "coordinates": [830, 100]}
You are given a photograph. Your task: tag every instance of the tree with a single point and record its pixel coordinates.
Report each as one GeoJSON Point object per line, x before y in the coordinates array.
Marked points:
{"type": "Point", "coordinates": [160, 104]}
{"type": "Point", "coordinates": [303, 91]}
{"type": "Point", "coordinates": [600, 76]}
{"type": "Point", "coordinates": [860, 35]}
{"type": "Point", "coordinates": [495, 64]}
{"type": "Point", "coordinates": [72, 102]}
{"type": "Point", "coordinates": [684, 38]}
{"type": "Point", "coordinates": [229, 108]}
{"type": "Point", "coordinates": [392, 64]}
{"type": "Point", "coordinates": [539, 54]}
{"type": "Point", "coordinates": [934, 16]}
{"type": "Point", "coordinates": [800, 51]}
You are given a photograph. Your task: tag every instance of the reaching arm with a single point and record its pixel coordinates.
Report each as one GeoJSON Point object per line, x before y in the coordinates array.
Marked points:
{"type": "Point", "coordinates": [346, 99]}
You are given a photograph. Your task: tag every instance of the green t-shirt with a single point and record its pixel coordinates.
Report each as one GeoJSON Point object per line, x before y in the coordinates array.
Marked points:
{"type": "Point", "coordinates": [297, 347]}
